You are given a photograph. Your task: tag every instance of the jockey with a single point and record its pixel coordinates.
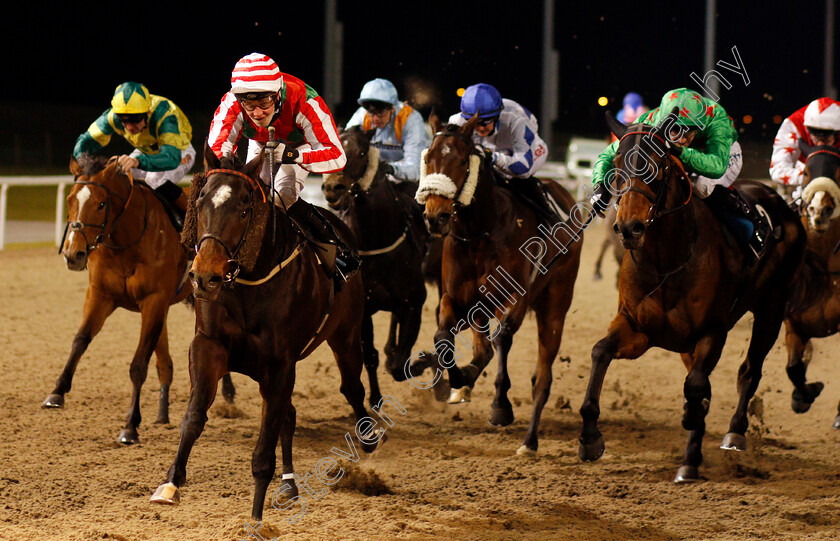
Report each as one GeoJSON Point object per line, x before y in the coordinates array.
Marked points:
{"type": "Point", "coordinates": [508, 134]}
{"type": "Point", "coordinates": [262, 96]}
{"type": "Point", "coordinates": [818, 123]}
{"type": "Point", "coordinates": [705, 140]}
{"type": "Point", "coordinates": [400, 133]}
{"type": "Point", "coordinates": [160, 134]}
{"type": "Point", "coordinates": [633, 107]}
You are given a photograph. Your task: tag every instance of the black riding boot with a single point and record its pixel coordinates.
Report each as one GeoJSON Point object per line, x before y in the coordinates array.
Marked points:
{"type": "Point", "coordinates": [174, 202]}
{"type": "Point", "coordinates": [725, 201]}
{"type": "Point", "coordinates": [321, 231]}
{"type": "Point", "coordinates": [532, 190]}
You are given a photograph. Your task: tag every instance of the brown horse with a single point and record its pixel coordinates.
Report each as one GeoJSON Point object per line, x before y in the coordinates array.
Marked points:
{"type": "Point", "coordinates": [491, 275]}
{"type": "Point", "coordinates": [679, 254]}
{"type": "Point", "coordinates": [121, 231]}
{"type": "Point", "coordinates": [388, 226]}
{"type": "Point", "coordinates": [814, 309]}
{"type": "Point", "coordinates": [263, 302]}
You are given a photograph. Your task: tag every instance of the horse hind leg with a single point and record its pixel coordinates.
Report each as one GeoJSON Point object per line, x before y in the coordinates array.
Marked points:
{"type": "Point", "coordinates": [768, 320]}
{"type": "Point", "coordinates": [409, 321]}
{"type": "Point", "coordinates": [371, 357]}
{"type": "Point", "coordinates": [153, 316]}
{"type": "Point", "coordinates": [804, 393]}
{"type": "Point", "coordinates": [164, 370]}
{"type": "Point", "coordinates": [501, 410]}
{"type": "Point", "coordinates": [96, 311]}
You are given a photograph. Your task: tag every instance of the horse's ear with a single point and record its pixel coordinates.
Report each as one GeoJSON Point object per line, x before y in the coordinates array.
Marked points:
{"type": "Point", "coordinates": [211, 161]}
{"type": "Point", "coordinates": [434, 122]}
{"type": "Point", "coordinates": [615, 126]}
{"type": "Point", "coordinates": [467, 129]}
{"type": "Point", "coordinates": [804, 147]}
{"type": "Point", "coordinates": [75, 168]}
{"type": "Point", "coordinates": [253, 168]}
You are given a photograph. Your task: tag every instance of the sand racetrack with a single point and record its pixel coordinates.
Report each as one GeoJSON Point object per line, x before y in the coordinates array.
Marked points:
{"type": "Point", "coordinates": [449, 473]}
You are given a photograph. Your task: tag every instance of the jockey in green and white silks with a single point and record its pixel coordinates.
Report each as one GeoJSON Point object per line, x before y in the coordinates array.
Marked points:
{"type": "Point", "coordinates": [712, 152]}
{"type": "Point", "coordinates": [157, 129]}
{"type": "Point", "coordinates": [400, 132]}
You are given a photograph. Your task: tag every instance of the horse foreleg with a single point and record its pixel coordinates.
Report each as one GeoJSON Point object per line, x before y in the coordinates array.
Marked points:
{"type": "Point", "coordinates": [371, 356]}
{"type": "Point", "coordinates": [287, 433]}
{"type": "Point", "coordinates": [96, 311]}
{"type": "Point", "coordinates": [697, 392]}
{"type": "Point", "coordinates": [164, 370]}
{"type": "Point", "coordinates": [804, 393]}
{"type": "Point", "coordinates": [501, 410]}
{"type": "Point", "coordinates": [621, 341]}
{"type": "Point", "coordinates": [277, 398]}
{"type": "Point", "coordinates": [152, 315]}
{"type": "Point", "coordinates": [482, 351]}
{"type": "Point", "coordinates": [604, 247]}
{"type": "Point", "coordinates": [410, 319]}
{"type": "Point", "coordinates": [228, 390]}
{"type": "Point", "coordinates": [768, 320]}
{"type": "Point", "coordinates": [208, 363]}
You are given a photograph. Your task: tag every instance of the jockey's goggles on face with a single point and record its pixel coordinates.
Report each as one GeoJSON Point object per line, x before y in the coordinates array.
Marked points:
{"type": "Point", "coordinates": [132, 118]}
{"type": "Point", "coordinates": [678, 132]}
{"type": "Point", "coordinates": [377, 109]}
{"type": "Point", "coordinates": [263, 103]}
{"type": "Point", "coordinates": [484, 122]}
{"type": "Point", "coordinates": [821, 134]}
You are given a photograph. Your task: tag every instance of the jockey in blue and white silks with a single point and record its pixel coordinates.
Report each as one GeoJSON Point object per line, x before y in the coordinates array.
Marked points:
{"type": "Point", "coordinates": [516, 147]}
{"type": "Point", "coordinates": [400, 132]}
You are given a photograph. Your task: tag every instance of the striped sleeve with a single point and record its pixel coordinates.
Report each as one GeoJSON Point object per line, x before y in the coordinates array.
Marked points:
{"type": "Point", "coordinates": [324, 152]}
{"type": "Point", "coordinates": [226, 126]}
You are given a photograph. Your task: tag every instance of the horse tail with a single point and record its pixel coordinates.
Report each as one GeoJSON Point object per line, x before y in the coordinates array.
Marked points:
{"type": "Point", "coordinates": [812, 284]}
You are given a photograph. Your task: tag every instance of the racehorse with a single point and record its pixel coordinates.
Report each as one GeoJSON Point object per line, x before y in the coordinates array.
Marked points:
{"type": "Point", "coordinates": [611, 243]}
{"type": "Point", "coordinates": [679, 254]}
{"type": "Point", "coordinates": [814, 308]}
{"type": "Point", "coordinates": [122, 233]}
{"type": "Point", "coordinates": [489, 281]}
{"type": "Point", "coordinates": [388, 226]}
{"type": "Point", "coordinates": [263, 302]}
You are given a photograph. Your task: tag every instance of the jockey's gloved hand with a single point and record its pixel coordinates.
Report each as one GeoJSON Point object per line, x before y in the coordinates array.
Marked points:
{"type": "Point", "coordinates": [601, 200]}
{"type": "Point", "coordinates": [388, 169]}
{"type": "Point", "coordinates": [676, 150]}
{"type": "Point", "coordinates": [488, 155]}
{"type": "Point", "coordinates": [289, 155]}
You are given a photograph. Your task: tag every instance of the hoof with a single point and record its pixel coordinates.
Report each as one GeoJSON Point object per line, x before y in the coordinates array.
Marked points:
{"type": "Point", "coordinates": [501, 416]}
{"type": "Point", "coordinates": [597, 276]}
{"type": "Point", "coordinates": [524, 450]}
{"type": "Point", "coordinates": [687, 474]}
{"type": "Point", "coordinates": [53, 401]}
{"type": "Point", "coordinates": [128, 437]}
{"type": "Point", "coordinates": [380, 435]}
{"type": "Point", "coordinates": [166, 494]}
{"type": "Point", "coordinates": [161, 420]}
{"type": "Point", "coordinates": [801, 402]}
{"type": "Point", "coordinates": [592, 451]}
{"type": "Point", "coordinates": [734, 442]}
{"type": "Point", "coordinates": [836, 424]}
{"type": "Point", "coordinates": [442, 390]}
{"type": "Point", "coordinates": [459, 396]}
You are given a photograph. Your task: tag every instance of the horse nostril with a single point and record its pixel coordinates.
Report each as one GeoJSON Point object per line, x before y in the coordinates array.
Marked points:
{"type": "Point", "coordinates": [638, 229]}
{"type": "Point", "coordinates": [191, 276]}
{"type": "Point", "coordinates": [616, 229]}
{"type": "Point", "coordinates": [443, 219]}
{"type": "Point", "coordinates": [80, 254]}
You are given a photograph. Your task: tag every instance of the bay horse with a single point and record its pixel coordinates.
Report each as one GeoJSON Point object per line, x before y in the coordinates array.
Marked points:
{"type": "Point", "coordinates": [388, 226]}
{"type": "Point", "coordinates": [814, 307]}
{"type": "Point", "coordinates": [489, 280]}
{"type": "Point", "coordinates": [121, 232]}
{"type": "Point", "coordinates": [263, 302]}
{"type": "Point", "coordinates": [679, 253]}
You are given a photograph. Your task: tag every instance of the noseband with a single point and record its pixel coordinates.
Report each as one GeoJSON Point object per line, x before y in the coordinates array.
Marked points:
{"type": "Point", "coordinates": [233, 262]}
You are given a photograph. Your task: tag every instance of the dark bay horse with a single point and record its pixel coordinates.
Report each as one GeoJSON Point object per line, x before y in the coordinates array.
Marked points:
{"type": "Point", "coordinates": [679, 255]}
{"type": "Point", "coordinates": [489, 279]}
{"type": "Point", "coordinates": [388, 226]}
{"type": "Point", "coordinates": [814, 308]}
{"type": "Point", "coordinates": [263, 302]}
{"type": "Point", "coordinates": [122, 233]}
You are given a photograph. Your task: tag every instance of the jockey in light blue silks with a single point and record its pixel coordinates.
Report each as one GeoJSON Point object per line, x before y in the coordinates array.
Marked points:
{"type": "Point", "coordinates": [400, 132]}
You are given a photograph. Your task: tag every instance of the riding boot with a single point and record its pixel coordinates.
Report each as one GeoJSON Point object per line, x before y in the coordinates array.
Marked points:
{"type": "Point", "coordinates": [532, 190]}
{"type": "Point", "coordinates": [175, 203]}
{"type": "Point", "coordinates": [742, 219]}
{"type": "Point", "coordinates": [319, 230]}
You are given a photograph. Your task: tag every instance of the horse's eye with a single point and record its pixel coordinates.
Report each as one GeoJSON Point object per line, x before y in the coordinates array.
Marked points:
{"type": "Point", "coordinates": [243, 214]}
{"type": "Point", "coordinates": [464, 162]}
{"type": "Point", "coordinates": [101, 205]}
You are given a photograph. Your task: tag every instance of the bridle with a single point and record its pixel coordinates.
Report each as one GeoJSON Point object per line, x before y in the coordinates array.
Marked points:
{"type": "Point", "coordinates": [79, 226]}
{"type": "Point", "coordinates": [232, 255]}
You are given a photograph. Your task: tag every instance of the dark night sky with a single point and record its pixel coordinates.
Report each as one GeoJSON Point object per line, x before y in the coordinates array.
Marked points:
{"type": "Point", "coordinates": [70, 55]}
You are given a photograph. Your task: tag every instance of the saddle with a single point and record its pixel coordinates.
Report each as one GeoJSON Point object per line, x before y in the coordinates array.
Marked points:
{"type": "Point", "coordinates": [176, 215]}
{"type": "Point", "coordinates": [746, 220]}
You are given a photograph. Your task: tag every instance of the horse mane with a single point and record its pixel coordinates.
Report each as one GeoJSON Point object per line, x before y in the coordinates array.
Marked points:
{"type": "Point", "coordinates": [92, 164]}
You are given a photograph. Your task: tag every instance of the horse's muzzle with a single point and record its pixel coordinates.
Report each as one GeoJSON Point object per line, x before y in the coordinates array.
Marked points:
{"type": "Point", "coordinates": [632, 233]}
{"type": "Point", "coordinates": [206, 286]}
{"type": "Point", "coordinates": [75, 259]}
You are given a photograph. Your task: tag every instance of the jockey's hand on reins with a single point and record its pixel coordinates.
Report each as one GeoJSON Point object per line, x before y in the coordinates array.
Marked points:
{"type": "Point", "coordinates": [601, 200]}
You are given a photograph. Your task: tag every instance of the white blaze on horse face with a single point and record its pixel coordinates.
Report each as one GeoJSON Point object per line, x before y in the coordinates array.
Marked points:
{"type": "Point", "coordinates": [221, 195]}
{"type": "Point", "coordinates": [81, 198]}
